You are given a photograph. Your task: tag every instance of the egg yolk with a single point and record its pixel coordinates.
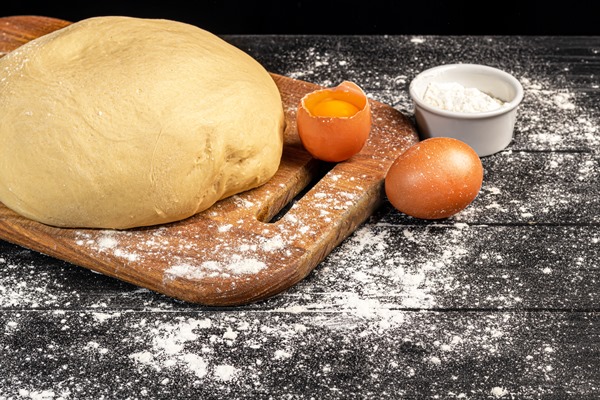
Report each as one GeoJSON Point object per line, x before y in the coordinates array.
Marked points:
{"type": "Point", "coordinates": [331, 107]}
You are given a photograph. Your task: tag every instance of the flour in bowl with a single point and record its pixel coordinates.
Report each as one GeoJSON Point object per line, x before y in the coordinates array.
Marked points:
{"type": "Point", "coordinates": [452, 96]}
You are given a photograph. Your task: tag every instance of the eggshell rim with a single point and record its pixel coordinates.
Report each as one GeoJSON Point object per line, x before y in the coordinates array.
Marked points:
{"type": "Point", "coordinates": [345, 87]}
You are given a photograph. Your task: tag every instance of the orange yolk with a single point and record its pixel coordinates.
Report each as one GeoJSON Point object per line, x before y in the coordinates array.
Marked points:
{"type": "Point", "coordinates": [331, 107]}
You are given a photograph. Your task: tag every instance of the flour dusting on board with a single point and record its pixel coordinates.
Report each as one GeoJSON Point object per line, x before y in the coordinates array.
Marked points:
{"type": "Point", "coordinates": [241, 260]}
{"type": "Point", "coordinates": [185, 254]}
{"type": "Point", "coordinates": [236, 265]}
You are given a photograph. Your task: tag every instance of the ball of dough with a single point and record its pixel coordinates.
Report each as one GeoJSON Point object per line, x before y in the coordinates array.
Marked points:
{"type": "Point", "coordinates": [121, 122]}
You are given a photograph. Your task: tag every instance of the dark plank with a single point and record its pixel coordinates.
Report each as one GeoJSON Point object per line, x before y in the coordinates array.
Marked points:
{"type": "Point", "coordinates": [265, 355]}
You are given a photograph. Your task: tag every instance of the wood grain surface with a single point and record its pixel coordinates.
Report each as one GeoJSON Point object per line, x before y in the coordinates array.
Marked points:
{"type": "Point", "coordinates": [234, 253]}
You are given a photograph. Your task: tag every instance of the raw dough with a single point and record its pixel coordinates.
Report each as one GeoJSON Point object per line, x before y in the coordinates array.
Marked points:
{"type": "Point", "coordinates": [120, 122]}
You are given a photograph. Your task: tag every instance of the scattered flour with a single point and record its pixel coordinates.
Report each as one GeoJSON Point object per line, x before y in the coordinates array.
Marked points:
{"type": "Point", "coordinates": [107, 242]}
{"type": "Point", "coordinates": [236, 266]}
{"type": "Point", "coordinates": [225, 372]}
{"type": "Point", "coordinates": [37, 395]}
{"type": "Point", "coordinates": [190, 346]}
{"type": "Point", "coordinates": [551, 119]}
{"type": "Point", "coordinates": [498, 392]}
{"type": "Point", "coordinates": [168, 344]}
{"type": "Point", "coordinates": [103, 317]}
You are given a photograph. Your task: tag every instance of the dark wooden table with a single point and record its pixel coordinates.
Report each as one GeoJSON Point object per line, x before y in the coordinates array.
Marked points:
{"type": "Point", "coordinates": [499, 301]}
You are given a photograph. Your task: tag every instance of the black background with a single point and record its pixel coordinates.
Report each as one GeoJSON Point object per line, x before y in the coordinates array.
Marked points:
{"type": "Point", "coordinates": [342, 17]}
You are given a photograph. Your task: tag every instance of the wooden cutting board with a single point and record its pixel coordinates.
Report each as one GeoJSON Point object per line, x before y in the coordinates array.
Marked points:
{"type": "Point", "coordinates": [236, 252]}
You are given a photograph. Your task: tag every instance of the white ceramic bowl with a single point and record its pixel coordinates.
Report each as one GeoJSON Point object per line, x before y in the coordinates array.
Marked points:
{"type": "Point", "coordinates": [487, 132]}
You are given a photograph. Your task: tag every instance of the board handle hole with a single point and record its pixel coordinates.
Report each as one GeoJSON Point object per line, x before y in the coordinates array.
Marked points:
{"type": "Point", "coordinates": [317, 173]}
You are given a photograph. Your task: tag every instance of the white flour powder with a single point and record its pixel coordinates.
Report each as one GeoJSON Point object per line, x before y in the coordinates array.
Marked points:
{"type": "Point", "coordinates": [452, 96]}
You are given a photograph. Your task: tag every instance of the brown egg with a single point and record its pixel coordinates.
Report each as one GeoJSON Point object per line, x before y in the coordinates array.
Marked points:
{"type": "Point", "coordinates": [435, 178]}
{"type": "Point", "coordinates": [334, 123]}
